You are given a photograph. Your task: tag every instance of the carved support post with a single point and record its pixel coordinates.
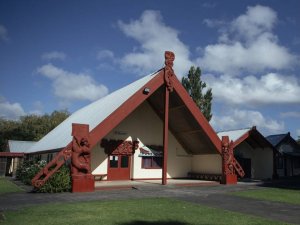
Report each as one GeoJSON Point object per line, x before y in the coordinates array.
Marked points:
{"type": "Point", "coordinates": [169, 73]}
{"type": "Point", "coordinates": [82, 179]}
{"type": "Point", "coordinates": [228, 169]}
{"type": "Point", "coordinates": [165, 138]}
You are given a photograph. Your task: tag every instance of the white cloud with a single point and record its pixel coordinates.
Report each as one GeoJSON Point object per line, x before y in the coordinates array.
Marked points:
{"type": "Point", "coordinates": [105, 54]}
{"type": "Point", "coordinates": [247, 43]}
{"type": "Point", "coordinates": [54, 55]}
{"type": "Point", "coordinates": [271, 88]}
{"type": "Point", "coordinates": [154, 37]}
{"type": "Point", "coordinates": [290, 114]}
{"type": "Point", "coordinates": [11, 111]}
{"type": "Point", "coordinates": [70, 86]}
{"type": "Point", "coordinates": [255, 22]}
{"type": "Point", "coordinates": [236, 119]}
{"type": "Point", "coordinates": [3, 33]}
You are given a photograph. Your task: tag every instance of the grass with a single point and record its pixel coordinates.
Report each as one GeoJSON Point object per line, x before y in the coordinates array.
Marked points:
{"type": "Point", "coordinates": [159, 211]}
{"type": "Point", "coordinates": [7, 186]}
{"type": "Point", "coordinates": [273, 194]}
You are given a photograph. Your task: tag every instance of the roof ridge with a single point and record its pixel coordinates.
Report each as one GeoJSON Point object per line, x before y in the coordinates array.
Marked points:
{"type": "Point", "coordinates": [246, 128]}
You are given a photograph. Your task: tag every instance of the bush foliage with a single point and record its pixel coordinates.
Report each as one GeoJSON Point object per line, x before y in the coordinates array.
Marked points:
{"type": "Point", "coordinates": [28, 169]}
{"type": "Point", "coordinates": [58, 182]}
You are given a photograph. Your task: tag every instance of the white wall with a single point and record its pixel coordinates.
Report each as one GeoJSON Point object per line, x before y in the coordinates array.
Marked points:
{"type": "Point", "coordinates": [207, 164]}
{"type": "Point", "coordinates": [261, 160]}
{"type": "Point", "coordinates": [145, 125]}
{"type": "Point", "coordinates": [99, 161]}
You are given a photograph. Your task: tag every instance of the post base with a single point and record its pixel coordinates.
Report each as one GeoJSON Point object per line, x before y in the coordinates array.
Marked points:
{"type": "Point", "coordinates": [83, 183]}
{"type": "Point", "coordinates": [229, 179]}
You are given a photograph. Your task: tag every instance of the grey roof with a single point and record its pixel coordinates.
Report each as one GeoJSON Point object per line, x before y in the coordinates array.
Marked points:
{"type": "Point", "coordinates": [276, 139]}
{"type": "Point", "coordinates": [20, 146]}
{"type": "Point", "coordinates": [233, 134]}
{"type": "Point", "coordinates": [92, 114]}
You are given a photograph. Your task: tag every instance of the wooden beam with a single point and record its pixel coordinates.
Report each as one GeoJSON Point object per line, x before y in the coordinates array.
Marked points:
{"type": "Point", "coordinates": [166, 137]}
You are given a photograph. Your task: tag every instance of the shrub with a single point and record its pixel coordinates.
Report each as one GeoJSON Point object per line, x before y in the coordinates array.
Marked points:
{"type": "Point", "coordinates": [28, 169]}
{"type": "Point", "coordinates": [58, 182]}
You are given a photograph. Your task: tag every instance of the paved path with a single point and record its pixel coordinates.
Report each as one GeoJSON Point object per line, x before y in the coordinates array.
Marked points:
{"type": "Point", "coordinates": [213, 196]}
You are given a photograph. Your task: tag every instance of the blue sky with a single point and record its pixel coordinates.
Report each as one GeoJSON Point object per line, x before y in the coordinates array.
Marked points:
{"type": "Point", "coordinates": [65, 54]}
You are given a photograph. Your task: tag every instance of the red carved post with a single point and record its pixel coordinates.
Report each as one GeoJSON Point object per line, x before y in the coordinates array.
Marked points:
{"type": "Point", "coordinates": [82, 179]}
{"type": "Point", "coordinates": [169, 73]}
{"type": "Point", "coordinates": [228, 170]}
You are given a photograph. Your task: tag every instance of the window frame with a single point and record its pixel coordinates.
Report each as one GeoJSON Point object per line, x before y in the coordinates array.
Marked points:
{"type": "Point", "coordinates": [153, 165]}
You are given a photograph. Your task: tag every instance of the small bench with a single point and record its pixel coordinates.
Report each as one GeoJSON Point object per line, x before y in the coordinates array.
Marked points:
{"type": "Point", "coordinates": [99, 176]}
{"type": "Point", "coordinates": [205, 176]}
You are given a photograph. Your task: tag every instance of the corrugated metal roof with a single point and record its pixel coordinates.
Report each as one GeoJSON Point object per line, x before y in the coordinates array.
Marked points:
{"type": "Point", "coordinates": [276, 139]}
{"type": "Point", "coordinates": [92, 114]}
{"type": "Point", "coordinates": [233, 134]}
{"type": "Point", "coordinates": [20, 146]}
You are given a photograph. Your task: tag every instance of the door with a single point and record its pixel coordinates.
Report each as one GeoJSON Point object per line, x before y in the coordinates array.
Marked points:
{"type": "Point", "coordinates": [119, 167]}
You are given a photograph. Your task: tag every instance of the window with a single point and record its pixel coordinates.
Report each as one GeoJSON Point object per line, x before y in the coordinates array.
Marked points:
{"type": "Point", "coordinates": [113, 161]}
{"type": "Point", "coordinates": [152, 162]}
{"type": "Point", "coordinates": [49, 157]}
{"type": "Point", "coordinates": [124, 161]}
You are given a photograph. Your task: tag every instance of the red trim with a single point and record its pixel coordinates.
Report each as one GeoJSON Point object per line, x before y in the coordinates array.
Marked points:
{"type": "Point", "coordinates": [166, 137]}
{"type": "Point", "coordinates": [199, 117]}
{"type": "Point", "coordinates": [11, 154]}
{"type": "Point", "coordinates": [241, 139]}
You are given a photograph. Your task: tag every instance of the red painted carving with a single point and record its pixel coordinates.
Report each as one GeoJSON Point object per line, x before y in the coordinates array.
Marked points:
{"type": "Point", "coordinates": [229, 164]}
{"type": "Point", "coordinates": [227, 156]}
{"type": "Point", "coordinates": [79, 152]}
{"type": "Point", "coordinates": [169, 72]}
{"type": "Point", "coordinates": [82, 179]}
{"type": "Point", "coordinates": [44, 174]}
{"type": "Point", "coordinates": [81, 162]}
{"type": "Point", "coordinates": [119, 147]}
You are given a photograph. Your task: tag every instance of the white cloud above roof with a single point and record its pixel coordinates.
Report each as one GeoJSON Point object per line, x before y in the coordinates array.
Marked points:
{"type": "Point", "coordinates": [237, 118]}
{"type": "Point", "coordinates": [154, 37]}
{"type": "Point", "coordinates": [247, 43]}
{"type": "Point", "coordinates": [271, 88]}
{"type": "Point", "coordinates": [69, 86]}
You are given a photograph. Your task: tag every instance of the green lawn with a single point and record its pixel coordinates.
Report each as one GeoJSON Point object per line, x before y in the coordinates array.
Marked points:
{"type": "Point", "coordinates": [7, 187]}
{"type": "Point", "coordinates": [156, 211]}
{"type": "Point", "coordinates": [273, 194]}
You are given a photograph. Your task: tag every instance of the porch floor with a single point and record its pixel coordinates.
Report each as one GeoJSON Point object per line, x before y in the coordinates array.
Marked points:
{"type": "Point", "coordinates": [136, 184]}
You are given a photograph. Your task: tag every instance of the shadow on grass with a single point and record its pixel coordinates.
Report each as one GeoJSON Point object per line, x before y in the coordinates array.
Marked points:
{"type": "Point", "coordinates": [141, 222]}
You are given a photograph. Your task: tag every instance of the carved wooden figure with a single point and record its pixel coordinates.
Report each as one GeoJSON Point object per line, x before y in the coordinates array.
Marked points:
{"type": "Point", "coordinates": [169, 72]}
{"type": "Point", "coordinates": [82, 179]}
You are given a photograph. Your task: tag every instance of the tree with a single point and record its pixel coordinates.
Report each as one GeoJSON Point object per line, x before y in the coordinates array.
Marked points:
{"type": "Point", "coordinates": [30, 127]}
{"type": "Point", "coordinates": [195, 87]}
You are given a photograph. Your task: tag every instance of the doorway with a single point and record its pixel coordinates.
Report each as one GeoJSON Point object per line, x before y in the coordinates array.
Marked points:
{"type": "Point", "coordinates": [119, 167]}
